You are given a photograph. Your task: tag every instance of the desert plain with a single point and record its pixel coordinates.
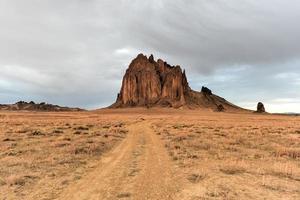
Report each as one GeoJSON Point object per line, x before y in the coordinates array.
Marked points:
{"type": "Point", "coordinates": [148, 154]}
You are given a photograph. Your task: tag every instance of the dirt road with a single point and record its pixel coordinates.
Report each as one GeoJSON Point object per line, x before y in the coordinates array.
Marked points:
{"type": "Point", "coordinates": [139, 168]}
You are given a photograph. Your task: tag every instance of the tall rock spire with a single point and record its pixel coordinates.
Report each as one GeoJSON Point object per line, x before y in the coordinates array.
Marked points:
{"type": "Point", "coordinates": [147, 82]}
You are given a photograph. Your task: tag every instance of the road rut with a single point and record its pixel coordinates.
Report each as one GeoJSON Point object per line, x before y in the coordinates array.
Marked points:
{"type": "Point", "coordinates": [139, 168]}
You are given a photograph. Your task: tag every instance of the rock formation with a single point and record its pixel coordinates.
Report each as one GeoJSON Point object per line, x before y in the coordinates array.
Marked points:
{"type": "Point", "coordinates": [205, 90]}
{"type": "Point", "coordinates": [260, 108]}
{"type": "Point", "coordinates": [149, 83]}
{"type": "Point", "coordinates": [32, 106]}
{"type": "Point", "coordinates": [220, 108]}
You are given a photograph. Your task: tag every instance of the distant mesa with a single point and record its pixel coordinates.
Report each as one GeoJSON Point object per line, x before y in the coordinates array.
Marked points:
{"type": "Point", "coordinates": [150, 83]}
{"type": "Point", "coordinates": [32, 106]}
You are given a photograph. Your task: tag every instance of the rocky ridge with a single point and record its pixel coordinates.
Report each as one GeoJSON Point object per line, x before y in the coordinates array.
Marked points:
{"type": "Point", "coordinates": [150, 83]}
{"type": "Point", "coordinates": [32, 106]}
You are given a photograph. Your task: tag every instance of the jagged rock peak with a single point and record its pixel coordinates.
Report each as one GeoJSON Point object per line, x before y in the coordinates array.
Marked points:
{"type": "Point", "coordinates": [148, 82]}
{"type": "Point", "coordinates": [205, 90]}
{"type": "Point", "coordinates": [151, 59]}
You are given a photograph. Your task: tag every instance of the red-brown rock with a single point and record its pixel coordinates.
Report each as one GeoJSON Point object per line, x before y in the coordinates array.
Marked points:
{"type": "Point", "coordinates": [148, 83]}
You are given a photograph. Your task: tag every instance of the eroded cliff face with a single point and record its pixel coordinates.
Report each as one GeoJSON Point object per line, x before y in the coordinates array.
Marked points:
{"type": "Point", "coordinates": [148, 82]}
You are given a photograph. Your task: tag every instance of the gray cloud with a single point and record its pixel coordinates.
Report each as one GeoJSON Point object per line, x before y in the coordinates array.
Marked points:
{"type": "Point", "coordinates": [75, 52]}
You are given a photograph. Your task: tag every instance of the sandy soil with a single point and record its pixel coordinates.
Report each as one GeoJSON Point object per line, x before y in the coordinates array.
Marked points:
{"type": "Point", "coordinates": [139, 168]}
{"type": "Point", "coordinates": [149, 154]}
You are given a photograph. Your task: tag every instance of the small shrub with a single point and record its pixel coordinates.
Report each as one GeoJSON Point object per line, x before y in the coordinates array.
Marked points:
{"type": "Point", "coordinates": [2, 182]}
{"type": "Point", "coordinates": [288, 152]}
{"type": "Point", "coordinates": [124, 195]}
{"type": "Point", "coordinates": [8, 140]}
{"type": "Point", "coordinates": [58, 131]}
{"type": "Point", "coordinates": [37, 133]}
{"type": "Point", "coordinates": [233, 169]}
{"type": "Point", "coordinates": [81, 128]}
{"type": "Point", "coordinates": [80, 150]}
{"type": "Point", "coordinates": [67, 139]}
{"type": "Point", "coordinates": [77, 133]}
{"type": "Point", "coordinates": [106, 126]}
{"type": "Point", "coordinates": [195, 178]}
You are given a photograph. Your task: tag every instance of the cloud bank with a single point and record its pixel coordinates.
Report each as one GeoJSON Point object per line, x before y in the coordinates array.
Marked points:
{"type": "Point", "coordinates": [75, 52]}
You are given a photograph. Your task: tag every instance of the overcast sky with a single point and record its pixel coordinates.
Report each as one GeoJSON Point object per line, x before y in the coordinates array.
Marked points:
{"type": "Point", "coordinates": [75, 52]}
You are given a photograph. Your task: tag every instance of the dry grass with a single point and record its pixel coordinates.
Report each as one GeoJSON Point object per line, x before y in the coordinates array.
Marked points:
{"type": "Point", "coordinates": [41, 153]}
{"type": "Point", "coordinates": [218, 155]}
{"type": "Point", "coordinates": [244, 156]}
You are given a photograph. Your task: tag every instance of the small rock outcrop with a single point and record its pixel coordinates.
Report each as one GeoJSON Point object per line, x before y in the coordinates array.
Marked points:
{"type": "Point", "coordinates": [148, 83]}
{"type": "Point", "coordinates": [260, 108]}
{"type": "Point", "coordinates": [206, 91]}
{"type": "Point", "coordinates": [220, 108]}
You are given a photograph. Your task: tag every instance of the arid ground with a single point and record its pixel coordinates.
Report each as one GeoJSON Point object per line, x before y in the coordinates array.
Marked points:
{"type": "Point", "coordinates": [149, 154]}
